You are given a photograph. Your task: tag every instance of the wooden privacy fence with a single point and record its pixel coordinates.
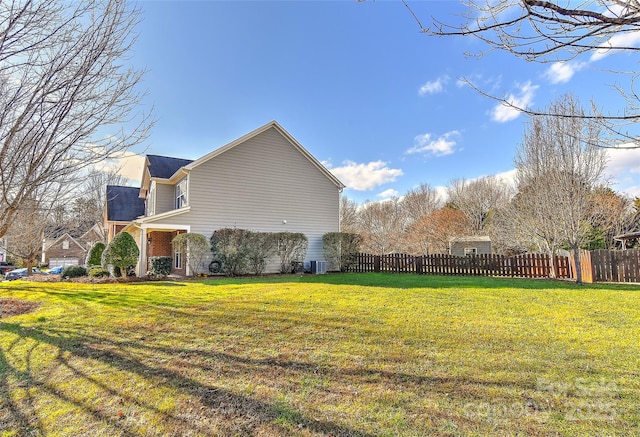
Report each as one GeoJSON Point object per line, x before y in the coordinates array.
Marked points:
{"type": "Point", "coordinates": [613, 265]}
{"type": "Point", "coordinates": [533, 265]}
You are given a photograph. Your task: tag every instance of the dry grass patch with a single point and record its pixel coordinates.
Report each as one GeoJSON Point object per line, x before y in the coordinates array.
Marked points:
{"type": "Point", "coordinates": [358, 355]}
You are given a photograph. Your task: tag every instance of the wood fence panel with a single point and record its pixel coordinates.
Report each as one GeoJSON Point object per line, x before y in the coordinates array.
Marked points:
{"type": "Point", "coordinates": [616, 265]}
{"type": "Point", "coordinates": [635, 267]}
{"type": "Point", "coordinates": [587, 266]}
{"type": "Point", "coordinates": [525, 266]}
{"type": "Point", "coordinates": [597, 264]}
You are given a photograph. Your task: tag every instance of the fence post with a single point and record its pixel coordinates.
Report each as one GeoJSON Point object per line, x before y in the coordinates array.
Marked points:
{"type": "Point", "coordinates": [376, 263]}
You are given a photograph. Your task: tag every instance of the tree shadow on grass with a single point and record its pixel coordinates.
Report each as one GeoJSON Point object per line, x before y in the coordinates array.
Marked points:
{"type": "Point", "coordinates": [24, 416]}
{"type": "Point", "coordinates": [217, 401]}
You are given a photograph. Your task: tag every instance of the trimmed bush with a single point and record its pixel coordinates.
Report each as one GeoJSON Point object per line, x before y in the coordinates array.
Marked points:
{"type": "Point", "coordinates": [94, 258]}
{"type": "Point", "coordinates": [261, 246]}
{"type": "Point", "coordinates": [340, 249]}
{"type": "Point", "coordinates": [160, 265]}
{"type": "Point", "coordinates": [231, 248]}
{"type": "Point", "coordinates": [98, 272]}
{"type": "Point", "coordinates": [121, 253]}
{"type": "Point", "coordinates": [74, 272]}
{"type": "Point", "coordinates": [195, 246]}
{"type": "Point", "coordinates": [292, 249]}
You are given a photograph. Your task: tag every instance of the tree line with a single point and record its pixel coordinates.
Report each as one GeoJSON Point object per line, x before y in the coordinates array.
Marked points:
{"type": "Point", "coordinates": [559, 199]}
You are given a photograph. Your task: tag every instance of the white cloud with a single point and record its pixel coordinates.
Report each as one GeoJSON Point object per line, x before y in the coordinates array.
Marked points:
{"type": "Point", "coordinates": [434, 87]}
{"type": "Point", "coordinates": [623, 161]}
{"type": "Point", "coordinates": [442, 192]}
{"type": "Point", "coordinates": [441, 146]}
{"type": "Point", "coordinates": [508, 177]}
{"type": "Point", "coordinates": [523, 99]}
{"type": "Point", "coordinates": [625, 39]}
{"type": "Point", "coordinates": [363, 177]}
{"type": "Point", "coordinates": [562, 72]}
{"type": "Point", "coordinates": [386, 194]}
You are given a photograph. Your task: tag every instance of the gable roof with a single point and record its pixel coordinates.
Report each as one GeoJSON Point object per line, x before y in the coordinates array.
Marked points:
{"type": "Point", "coordinates": [123, 203]}
{"type": "Point", "coordinates": [95, 229]}
{"type": "Point", "coordinates": [273, 124]}
{"type": "Point", "coordinates": [471, 239]}
{"type": "Point", "coordinates": [65, 236]}
{"type": "Point", "coordinates": [159, 167]}
{"type": "Point", "coordinates": [164, 166]}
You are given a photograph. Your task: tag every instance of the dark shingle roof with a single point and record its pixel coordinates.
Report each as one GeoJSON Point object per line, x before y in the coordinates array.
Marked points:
{"type": "Point", "coordinates": [123, 203]}
{"type": "Point", "coordinates": [164, 167]}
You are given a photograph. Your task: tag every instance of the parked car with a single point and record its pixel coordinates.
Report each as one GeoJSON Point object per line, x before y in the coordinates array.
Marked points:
{"type": "Point", "coordinates": [20, 273]}
{"type": "Point", "coordinates": [5, 267]}
{"type": "Point", "coordinates": [55, 271]}
{"type": "Point", "coordinates": [15, 274]}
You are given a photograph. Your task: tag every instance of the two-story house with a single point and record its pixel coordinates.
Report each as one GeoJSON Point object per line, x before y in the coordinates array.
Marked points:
{"type": "Point", "coordinates": [264, 181]}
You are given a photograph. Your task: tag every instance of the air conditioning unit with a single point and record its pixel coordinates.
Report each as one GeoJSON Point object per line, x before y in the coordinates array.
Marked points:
{"type": "Point", "coordinates": [318, 267]}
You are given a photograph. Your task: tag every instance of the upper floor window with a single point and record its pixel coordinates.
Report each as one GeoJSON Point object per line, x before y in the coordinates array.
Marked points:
{"type": "Point", "coordinates": [181, 194]}
{"type": "Point", "coordinates": [151, 199]}
{"type": "Point", "coordinates": [65, 244]}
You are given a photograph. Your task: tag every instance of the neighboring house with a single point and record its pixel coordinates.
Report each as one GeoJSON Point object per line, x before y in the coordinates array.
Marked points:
{"type": "Point", "coordinates": [66, 250]}
{"type": "Point", "coordinates": [264, 181]}
{"type": "Point", "coordinates": [466, 246]}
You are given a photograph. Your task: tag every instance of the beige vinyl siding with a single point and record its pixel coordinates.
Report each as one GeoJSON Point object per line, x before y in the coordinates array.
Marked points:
{"type": "Point", "coordinates": [481, 246]}
{"type": "Point", "coordinates": [259, 184]}
{"type": "Point", "coordinates": [165, 198]}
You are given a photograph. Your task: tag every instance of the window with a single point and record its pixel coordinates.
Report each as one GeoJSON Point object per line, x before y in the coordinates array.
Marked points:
{"type": "Point", "coordinates": [469, 251]}
{"type": "Point", "coordinates": [151, 199]}
{"type": "Point", "coordinates": [181, 194]}
{"type": "Point", "coordinates": [178, 260]}
{"type": "Point", "coordinates": [65, 244]}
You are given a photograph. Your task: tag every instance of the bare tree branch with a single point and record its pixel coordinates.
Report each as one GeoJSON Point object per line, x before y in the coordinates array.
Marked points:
{"type": "Point", "coordinates": [67, 101]}
{"type": "Point", "coordinates": [547, 31]}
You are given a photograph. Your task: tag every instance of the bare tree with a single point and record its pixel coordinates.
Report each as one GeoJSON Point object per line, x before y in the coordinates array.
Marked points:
{"type": "Point", "coordinates": [546, 31]}
{"type": "Point", "coordinates": [87, 209]}
{"type": "Point", "coordinates": [27, 233]}
{"type": "Point", "coordinates": [558, 167]}
{"type": "Point", "coordinates": [348, 215]}
{"type": "Point", "coordinates": [66, 100]}
{"type": "Point", "coordinates": [420, 201]}
{"type": "Point", "coordinates": [382, 225]}
{"type": "Point", "coordinates": [613, 214]}
{"type": "Point", "coordinates": [477, 199]}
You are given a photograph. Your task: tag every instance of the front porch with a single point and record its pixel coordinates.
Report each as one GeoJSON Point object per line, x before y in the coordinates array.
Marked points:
{"type": "Point", "coordinates": [156, 241]}
{"type": "Point", "coordinates": [159, 244]}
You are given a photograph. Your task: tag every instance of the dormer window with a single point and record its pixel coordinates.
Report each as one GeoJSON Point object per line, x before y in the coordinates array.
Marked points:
{"type": "Point", "coordinates": [181, 194]}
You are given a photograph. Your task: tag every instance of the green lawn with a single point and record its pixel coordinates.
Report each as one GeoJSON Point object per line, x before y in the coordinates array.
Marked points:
{"type": "Point", "coordinates": [335, 355]}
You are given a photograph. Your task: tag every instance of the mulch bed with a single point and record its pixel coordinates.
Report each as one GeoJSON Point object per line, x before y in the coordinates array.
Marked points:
{"type": "Point", "coordinates": [14, 307]}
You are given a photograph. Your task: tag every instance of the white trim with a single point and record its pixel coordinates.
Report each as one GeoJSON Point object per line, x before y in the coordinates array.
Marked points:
{"type": "Point", "coordinates": [165, 227]}
{"type": "Point", "coordinates": [163, 215]}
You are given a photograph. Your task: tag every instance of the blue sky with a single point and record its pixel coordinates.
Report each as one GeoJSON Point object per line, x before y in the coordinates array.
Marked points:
{"type": "Point", "coordinates": [357, 84]}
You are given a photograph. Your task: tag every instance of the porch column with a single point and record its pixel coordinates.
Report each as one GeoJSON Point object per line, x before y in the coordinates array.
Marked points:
{"type": "Point", "coordinates": [142, 261]}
